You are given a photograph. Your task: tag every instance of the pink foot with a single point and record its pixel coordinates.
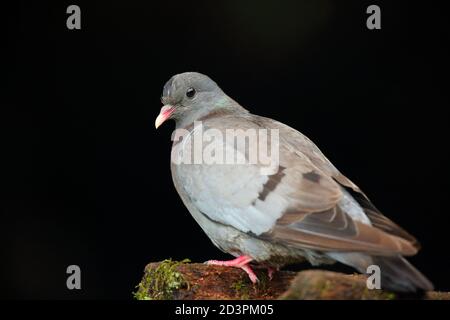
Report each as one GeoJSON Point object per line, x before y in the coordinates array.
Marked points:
{"type": "Point", "coordinates": [240, 262]}
{"type": "Point", "coordinates": [250, 273]}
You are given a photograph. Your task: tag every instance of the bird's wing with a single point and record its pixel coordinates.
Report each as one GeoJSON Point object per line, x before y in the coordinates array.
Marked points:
{"type": "Point", "coordinates": [299, 143]}
{"type": "Point", "coordinates": [297, 206]}
{"type": "Point", "coordinates": [380, 221]}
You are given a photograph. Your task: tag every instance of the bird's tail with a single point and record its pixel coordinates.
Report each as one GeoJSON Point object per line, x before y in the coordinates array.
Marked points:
{"type": "Point", "coordinates": [396, 273]}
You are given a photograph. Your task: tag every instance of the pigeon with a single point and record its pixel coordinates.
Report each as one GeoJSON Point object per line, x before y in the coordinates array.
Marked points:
{"type": "Point", "coordinates": [296, 207]}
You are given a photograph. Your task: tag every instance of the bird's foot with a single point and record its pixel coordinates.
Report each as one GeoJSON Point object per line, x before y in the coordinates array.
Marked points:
{"type": "Point", "coordinates": [270, 270]}
{"type": "Point", "coordinates": [253, 278]}
{"type": "Point", "coordinates": [240, 262]}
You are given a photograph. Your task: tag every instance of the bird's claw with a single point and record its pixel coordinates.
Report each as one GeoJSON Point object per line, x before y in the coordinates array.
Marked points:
{"type": "Point", "coordinates": [253, 278]}
{"type": "Point", "coordinates": [240, 262]}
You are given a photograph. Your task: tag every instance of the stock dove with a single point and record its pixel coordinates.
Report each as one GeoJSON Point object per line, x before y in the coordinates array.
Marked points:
{"type": "Point", "coordinates": [295, 207]}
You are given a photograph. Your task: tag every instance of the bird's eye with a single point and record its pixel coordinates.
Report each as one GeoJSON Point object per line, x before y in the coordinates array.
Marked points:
{"type": "Point", "coordinates": [190, 93]}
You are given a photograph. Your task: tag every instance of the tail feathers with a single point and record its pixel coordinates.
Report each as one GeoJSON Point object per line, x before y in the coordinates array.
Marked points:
{"type": "Point", "coordinates": [397, 274]}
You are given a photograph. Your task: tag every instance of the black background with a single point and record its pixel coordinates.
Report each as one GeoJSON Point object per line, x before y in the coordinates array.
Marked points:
{"type": "Point", "coordinates": [87, 176]}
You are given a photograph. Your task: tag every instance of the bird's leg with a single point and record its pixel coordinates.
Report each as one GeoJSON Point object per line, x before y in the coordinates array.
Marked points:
{"type": "Point", "coordinates": [240, 262]}
{"type": "Point", "coordinates": [250, 273]}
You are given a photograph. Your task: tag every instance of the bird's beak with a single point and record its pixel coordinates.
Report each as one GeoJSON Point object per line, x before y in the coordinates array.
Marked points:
{"type": "Point", "coordinates": [164, 114]}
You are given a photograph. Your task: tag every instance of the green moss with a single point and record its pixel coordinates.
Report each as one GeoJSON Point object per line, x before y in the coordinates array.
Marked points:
{"type": "Point", "coordinates": [390, 296]}
{"type": "Point", "coordinates": [241, 289]}
{"type": "Point", "coordinates": [377, 294]}
{"type": "Point", "coordinates": [263, 282]}
{"type": "Point", "coordinates": [159, 283]}
{"type": "Point", "coordinates": [366, 294]}
{"type": "Point", "coordinates": [323, 286]}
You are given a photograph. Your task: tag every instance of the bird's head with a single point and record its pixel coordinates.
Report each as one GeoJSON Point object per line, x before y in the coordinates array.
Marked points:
{"type": "Point", "coordinates": [187, 96]}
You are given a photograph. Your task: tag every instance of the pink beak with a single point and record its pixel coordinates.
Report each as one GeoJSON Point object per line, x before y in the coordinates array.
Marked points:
{"type": "Point", "coordinates": [164, 114]}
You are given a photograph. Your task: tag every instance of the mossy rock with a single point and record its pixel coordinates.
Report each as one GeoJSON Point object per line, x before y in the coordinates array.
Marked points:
{"type": "Point", "coordinates": [181, 280]}
{"type": "Point", "coordinates": [327, 285]}
{"type": "Point", "coordinates": [161, 280]}
{"type": "Point", "coordinates": [197, 281]}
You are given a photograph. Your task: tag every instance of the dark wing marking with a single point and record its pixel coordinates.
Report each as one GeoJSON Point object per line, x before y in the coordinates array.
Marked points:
{"type": "Point", "coordinates": [271, 183]}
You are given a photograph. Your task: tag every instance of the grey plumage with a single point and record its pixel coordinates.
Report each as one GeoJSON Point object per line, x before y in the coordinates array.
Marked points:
{"type": "Point", "coordinates": [306, 210]}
